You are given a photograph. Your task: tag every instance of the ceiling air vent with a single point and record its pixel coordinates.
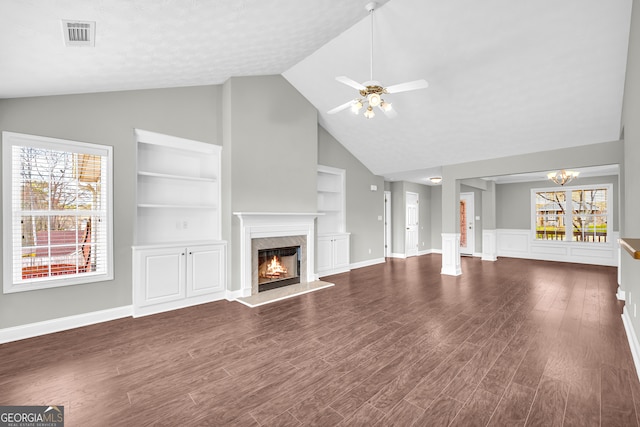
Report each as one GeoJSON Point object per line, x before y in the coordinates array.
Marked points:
{"type": "Point", "coordinates": [79, 33]}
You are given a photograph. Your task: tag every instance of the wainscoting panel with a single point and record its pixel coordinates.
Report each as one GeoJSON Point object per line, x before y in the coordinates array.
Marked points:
{"type": "Point", "coordinates": [520, 244]}
{"type": "Point", "coordinates": [512, 242]}
{"type": "Point", "coordinates": [535, 249]}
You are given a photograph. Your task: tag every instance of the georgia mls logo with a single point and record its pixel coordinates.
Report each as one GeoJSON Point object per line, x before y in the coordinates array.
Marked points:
{"type": "Point", "coordinates": [31, 416]}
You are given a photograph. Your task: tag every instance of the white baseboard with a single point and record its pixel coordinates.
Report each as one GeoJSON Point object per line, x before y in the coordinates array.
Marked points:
{"type": "Point", "coordinates": [147, 310]}
{"type": "Point", "coordinates": [420, 253]}
{"type": "Point", "coordinates": [62, 324]}
{"type": "Point", "coordinates": [233, 295]}
{"type": "Point", "coordinates": [367, 263]}
{"type": "Point", "coordinates": [621, 295]}
{"type": "Point", "coordinates": [633, 339]}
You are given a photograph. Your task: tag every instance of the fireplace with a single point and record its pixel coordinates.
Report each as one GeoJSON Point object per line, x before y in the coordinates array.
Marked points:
{"type": "Point", "coordinates": [265, 230]}
{"type": "Point", "coordinates": [278, 267]}
{"type": "Point", "coordinates": [288, 268]}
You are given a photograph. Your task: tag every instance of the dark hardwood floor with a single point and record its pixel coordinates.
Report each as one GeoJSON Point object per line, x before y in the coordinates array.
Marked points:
{"type": "Point", "coordinates": [509, 343]}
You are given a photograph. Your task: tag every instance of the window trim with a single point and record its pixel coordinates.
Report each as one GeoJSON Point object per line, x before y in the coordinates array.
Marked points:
{"type": "Point", "coordinates": [11, 139]}
{"type": "Point", "coordinates": [569, 214]}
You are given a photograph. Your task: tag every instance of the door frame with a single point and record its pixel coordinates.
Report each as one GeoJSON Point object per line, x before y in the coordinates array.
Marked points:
{"type": "Point", "coordinates": [471, 231]}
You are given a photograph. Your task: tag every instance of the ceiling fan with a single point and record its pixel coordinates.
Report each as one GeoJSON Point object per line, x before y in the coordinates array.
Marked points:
{"type": "Point", "coordinates": [371, 92]}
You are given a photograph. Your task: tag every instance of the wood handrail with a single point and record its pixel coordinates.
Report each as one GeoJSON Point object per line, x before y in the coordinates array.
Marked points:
{"type": "Point", "coordinates": [632, 246]}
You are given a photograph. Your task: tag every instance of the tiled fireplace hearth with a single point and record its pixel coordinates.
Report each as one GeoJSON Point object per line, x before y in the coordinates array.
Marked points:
{"type": "Point", "coordinates": [266, 230]}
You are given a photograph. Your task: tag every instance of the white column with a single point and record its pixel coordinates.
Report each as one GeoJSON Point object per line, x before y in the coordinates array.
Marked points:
{"type": "Point", "coordinates": [489, 249]}
{"type": "Point", "coordinates": [451, 254]}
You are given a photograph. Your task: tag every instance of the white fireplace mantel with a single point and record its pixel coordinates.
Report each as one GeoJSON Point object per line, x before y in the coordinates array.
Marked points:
{"type": "Point", "coordinates": [255, 225]}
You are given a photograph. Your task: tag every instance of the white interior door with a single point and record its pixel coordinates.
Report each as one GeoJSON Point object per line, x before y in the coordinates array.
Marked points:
{"type": "Point", "coordinates": [412, 224]}
{"type": "Point", "coordinates": [467, 234]}
{"type": "Point", "coordinates": [387, 224]}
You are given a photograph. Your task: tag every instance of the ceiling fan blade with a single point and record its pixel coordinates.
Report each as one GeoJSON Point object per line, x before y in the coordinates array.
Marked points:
{"type": "Point", "coordinates": [341, 107]}
{"type": "Point", "coordinates": [390, 113]}
{"type": "Point", "coordinates": [354, 84]}
{"type": "Point", "coordinates": [403, 87]}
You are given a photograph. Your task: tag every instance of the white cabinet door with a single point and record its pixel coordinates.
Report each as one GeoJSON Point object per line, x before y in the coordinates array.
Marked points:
{"type": "Point", "coordinates": [333, 253]}
{"type": "Point", "coordinates": [205, 269]}
{"type": "Point", "coordinates": [325, 253]}
{"type": "Point", "coordinates": [162, 275]}
{"type": "Point", "coordinates": [341, 251]}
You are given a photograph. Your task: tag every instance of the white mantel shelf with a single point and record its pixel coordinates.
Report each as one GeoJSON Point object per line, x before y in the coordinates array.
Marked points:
{"type": "Point", "coordinates": [254, 225]}
{"type": "Point", "coordinates": [272, 214]}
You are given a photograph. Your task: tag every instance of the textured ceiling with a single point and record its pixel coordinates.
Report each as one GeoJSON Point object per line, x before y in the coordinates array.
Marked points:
{"type": "Point", "coordinates": [506, 77]}
{"type": "Point", "coordinates": [160, 43]}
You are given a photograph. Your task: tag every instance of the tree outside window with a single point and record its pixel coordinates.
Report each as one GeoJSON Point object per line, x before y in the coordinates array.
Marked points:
{"type": "Point", "coordinates": [572, 214]}
{"type": "Point", "coordinates": [57, 196]}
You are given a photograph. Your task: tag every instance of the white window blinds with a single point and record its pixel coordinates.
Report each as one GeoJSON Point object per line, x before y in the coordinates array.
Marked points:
{"type": "Point", "coordinates": [57, 212]}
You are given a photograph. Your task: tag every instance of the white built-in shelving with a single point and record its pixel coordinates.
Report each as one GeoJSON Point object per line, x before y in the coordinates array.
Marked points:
{"type": "Point", "coordinates": [333, 240]}
{"type": "Point", "coordinates": [178, 258]}
{"type": "Point", "coordinates": [331, 200]}
{"type": "Point", "coordinates": [178, 189]}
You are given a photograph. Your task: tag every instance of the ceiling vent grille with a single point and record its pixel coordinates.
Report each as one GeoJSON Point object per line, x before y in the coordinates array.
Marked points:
{"type": "Point", "coordinates": [79, 33]}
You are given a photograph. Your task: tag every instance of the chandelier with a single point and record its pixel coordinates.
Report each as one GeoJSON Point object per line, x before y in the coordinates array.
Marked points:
{"type": "Point", "coordinates": [562, 177]}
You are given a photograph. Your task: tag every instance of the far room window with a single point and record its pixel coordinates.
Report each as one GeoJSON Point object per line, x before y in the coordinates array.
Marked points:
{"type": "Point", "coordinates": [576, 214]}
{"type": "Point", "coordinates": [56, 212]}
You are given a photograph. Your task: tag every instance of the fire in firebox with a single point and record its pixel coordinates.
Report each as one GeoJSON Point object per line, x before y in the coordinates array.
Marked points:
{"type": "Point", "coordinates": [278, 267]}
{"type": "Point", "coordinates": [275, 269]}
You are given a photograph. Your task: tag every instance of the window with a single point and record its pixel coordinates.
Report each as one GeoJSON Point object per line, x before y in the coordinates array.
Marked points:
{"type": "Point", "coordinates": [57, 221]}
{"type": "Point", "coordinates": [576, 214]}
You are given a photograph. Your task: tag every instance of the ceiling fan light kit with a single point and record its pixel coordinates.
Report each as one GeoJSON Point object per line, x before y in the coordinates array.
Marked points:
{"type": "Point", "coordinates": [371, 92]}
{"type": "Point", "coordinates": [369, 114]}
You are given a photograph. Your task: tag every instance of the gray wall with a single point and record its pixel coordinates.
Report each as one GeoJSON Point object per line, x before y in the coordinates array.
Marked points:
{"type": "Point", "coordinates": [105, 118]}
{"type": "Point", "coordinates": [364, 206]}
{"type": "Point", "coordinates": [513, 201]}
{"type": "Point", "coordinates": [489, 207]}
{"type": "Point", "coordinates": [436, 217]}
{"type": "Point", "coordinates": [630, 268]}
{"type": "Point", "coordinates": [605, 153]}
{"type": "Point", "coordinates": [271, 135]}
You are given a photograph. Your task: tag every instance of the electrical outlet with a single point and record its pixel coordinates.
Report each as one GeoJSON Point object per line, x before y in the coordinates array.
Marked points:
{"type": "Point", "coordinates": [379, 217]}
{"type": "Point", "coordinates": [185, 224]}
{"type": "Point", "coordinates": [369, 250]}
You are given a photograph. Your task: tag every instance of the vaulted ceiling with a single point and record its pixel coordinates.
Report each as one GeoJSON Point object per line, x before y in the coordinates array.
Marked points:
{"type": "Point", "coordinates": [504, 77]}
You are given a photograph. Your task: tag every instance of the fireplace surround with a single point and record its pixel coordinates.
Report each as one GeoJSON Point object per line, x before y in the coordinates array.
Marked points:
{"type": "Point", "coordinates": [261, 230]}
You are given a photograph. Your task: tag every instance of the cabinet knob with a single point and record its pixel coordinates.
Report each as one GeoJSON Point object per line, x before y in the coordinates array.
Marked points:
{"type": "Point", "coordinates": [190, 253]}
{"type": "Point", "coordinates": [182, 254]}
